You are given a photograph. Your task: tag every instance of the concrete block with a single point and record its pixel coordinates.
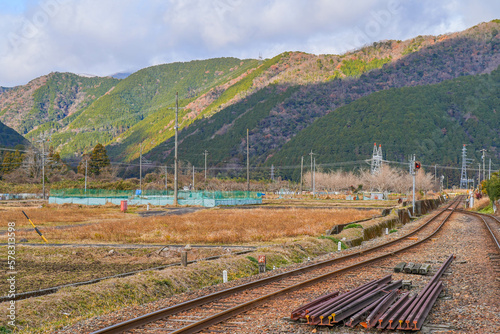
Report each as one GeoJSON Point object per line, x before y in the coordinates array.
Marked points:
{"type": "Point", "coordinates": [399, 267]}
{"type": "Point", "coordinates": [406, 284]}
{"type": "Point", "coordinates": [409, 267]}
{"type": "Point", "coordinates": [415, 268]}
{"type": "Point", "coordinates": [424, 269]}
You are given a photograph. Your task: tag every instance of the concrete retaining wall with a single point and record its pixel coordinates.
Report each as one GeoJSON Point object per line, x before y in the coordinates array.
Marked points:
{"type": "Point", "coordinates": [375, 227]}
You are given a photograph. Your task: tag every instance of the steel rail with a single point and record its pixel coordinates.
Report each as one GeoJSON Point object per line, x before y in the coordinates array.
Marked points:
{"type": "Point", "coordinates": [482, 216]}
{"type": "Point", "coordinates": [211, 320]}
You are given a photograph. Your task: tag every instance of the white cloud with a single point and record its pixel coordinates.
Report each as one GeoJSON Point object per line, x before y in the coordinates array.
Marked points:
{"type": "Point", "coordinates": [107, 36]}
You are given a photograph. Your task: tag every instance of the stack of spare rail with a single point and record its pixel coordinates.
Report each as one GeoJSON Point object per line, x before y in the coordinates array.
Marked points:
{"type": "Point", "coordinates": [380, 303]}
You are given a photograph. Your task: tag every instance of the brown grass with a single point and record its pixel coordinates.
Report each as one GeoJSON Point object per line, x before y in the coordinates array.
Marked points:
{"type": "Point", "coordinates": [214, 226]}
{"type": "Point", "coordinates": [481, 203]}
{"type": "Point", "coordinates": [57, 215]}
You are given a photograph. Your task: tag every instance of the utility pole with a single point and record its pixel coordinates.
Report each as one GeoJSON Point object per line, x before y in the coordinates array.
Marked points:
{"type": "Point", "coordinates": [140, 169]}
{"type": "Point", "coordinates": [166, 177]}
{"type": "Point", "coordinates": [193, 177]}
{"type": "Point", "coordinates": [413, 172]}
{"type": "Point", "coordinates": [314, 177]}
{"type": "Point", "coordinates": [489, 170]}
{"type": "Point", "coordinates": [248, 163]}
{"type": "Point", "coordinates": [484, 171]}
{"type": "Point", "coordinates": [311, 154]}
{"type": "Point", "coordinates": [175, 155]}
{"type": "Point", "coordinates": [301, 172]}
{"type": "Point", "coordinates": [43, 169]}
{"type": "Point", "coordinates": [272, 172]}
{"type": "Point", "coordinates": [205, 154]}
{"type": "Point", "coordinates": [42, 140]}
{"type": "Point", "coordinates": [479, 175]}
{"type": "Point", "coordinates": [86, 167]}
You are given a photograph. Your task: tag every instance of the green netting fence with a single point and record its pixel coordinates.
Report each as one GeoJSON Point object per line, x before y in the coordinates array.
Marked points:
{"type": "Point", "coordinates": [149, 193]}
{"type": "Point", "coordinates": [155, 197]}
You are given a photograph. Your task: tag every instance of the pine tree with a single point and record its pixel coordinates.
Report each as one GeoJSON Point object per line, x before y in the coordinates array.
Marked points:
{"type": "Point", "coordinates": [11, 161]}
{"type": "Point", "coordinates": [98, 160]}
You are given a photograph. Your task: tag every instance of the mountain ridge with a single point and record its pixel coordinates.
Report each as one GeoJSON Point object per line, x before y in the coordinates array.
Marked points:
{"type": "Point", "coordinates": [137, 111]}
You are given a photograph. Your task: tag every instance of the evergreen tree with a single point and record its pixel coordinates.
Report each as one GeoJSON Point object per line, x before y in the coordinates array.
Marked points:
{"type": "Point", "coordinates": [492, 186]}
{"type": "Point", "coordinates": [11, 161]}
{"type": "Point", "coordinates": [98, 160]}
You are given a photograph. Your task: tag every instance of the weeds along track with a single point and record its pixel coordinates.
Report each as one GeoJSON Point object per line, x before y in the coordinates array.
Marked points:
{"type": "Point", "coordinates": [198, 314]}
{"type": "Point", "coordinates": [54, 289]}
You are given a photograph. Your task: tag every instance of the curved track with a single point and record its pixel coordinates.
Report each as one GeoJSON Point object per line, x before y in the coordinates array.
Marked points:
{"type": "Point", "coordinates": [494, 231]}
{"type": "Point", "coordinates": [195, 315]}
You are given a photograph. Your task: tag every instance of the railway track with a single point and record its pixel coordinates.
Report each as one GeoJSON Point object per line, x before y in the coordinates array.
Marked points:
{"type": "Point", "coordinates": [487, 219]}
{"type": "Point", "coordinates": [195, 315]}
{"type": "Point", "coordinates": [492, 224]}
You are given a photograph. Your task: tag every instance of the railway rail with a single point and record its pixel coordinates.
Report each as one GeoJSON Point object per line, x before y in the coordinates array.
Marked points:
{"type": "Point", "coordinates": [494, 232]}
{"type": "Point", "coordinates": [197, 314]}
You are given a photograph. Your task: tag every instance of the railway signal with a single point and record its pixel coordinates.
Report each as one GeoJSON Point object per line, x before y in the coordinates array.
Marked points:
{"type": "Point", "coordinates": [417, 165]}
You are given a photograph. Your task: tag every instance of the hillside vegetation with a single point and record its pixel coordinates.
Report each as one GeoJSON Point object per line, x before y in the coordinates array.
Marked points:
{"type": "Point", "coordinates": [432, 121]}
{"type": "Point", "coordinates": [438, 59]}
{"type": "Point", "coordinates": [9, 138]}
{"type": "Point", "coordinates": [50, 102]}
{"type": "Point", "coordinates": [276, 99]}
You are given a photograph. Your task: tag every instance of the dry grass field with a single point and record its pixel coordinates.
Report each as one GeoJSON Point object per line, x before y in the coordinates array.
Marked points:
{"type": "Point", "coordinates": [211, 226]}
{"type": "Point", "coordinates": [279, 229]}
{"type": "Point", "coordinates": [54, 215]}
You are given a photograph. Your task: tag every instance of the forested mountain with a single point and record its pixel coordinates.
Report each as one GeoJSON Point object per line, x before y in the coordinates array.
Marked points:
{"type": "Point", "coordinates": [472, 52]}
{"type": "Point", "coordinates": [50, 102]}
{"type": "Point", "coordinates": [431, 121]}
{"type": "Point", "coordinates": [9, 138]}
{"type": "Point", "coordinates": [221, 98]}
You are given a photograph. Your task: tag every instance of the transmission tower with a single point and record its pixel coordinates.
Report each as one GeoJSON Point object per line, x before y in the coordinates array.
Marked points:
{"type": "Point", "coordinates": [376, 162]}
{"type": "Point", "coordinates": [463, 175]}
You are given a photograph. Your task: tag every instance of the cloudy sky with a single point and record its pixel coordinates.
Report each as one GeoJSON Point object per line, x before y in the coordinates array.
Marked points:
{"type": "Point", "coordinates": [103, 37]}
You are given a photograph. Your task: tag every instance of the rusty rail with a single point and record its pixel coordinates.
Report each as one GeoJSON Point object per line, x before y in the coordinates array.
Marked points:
{"type": "Point", "coordinates": [376, 300]}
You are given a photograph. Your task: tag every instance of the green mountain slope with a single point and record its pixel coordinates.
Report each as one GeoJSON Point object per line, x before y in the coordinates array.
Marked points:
{"type": "Point", "coordinates": [420, 61]}
{"type": "Point", "coordinates": [224, 134]}
{"type": "Point", "coordinates": [432, 121]}
{"type": "Point", "coordinates": [10, 138]}
{"type": "Point", "coordinates": [146, 93]}
{"type": "Point", "coordinates": [50, 102]}
{"type": "Point", "coordinates": [159, 125]}
{"type": "Point", "coordinates": [225, 93]}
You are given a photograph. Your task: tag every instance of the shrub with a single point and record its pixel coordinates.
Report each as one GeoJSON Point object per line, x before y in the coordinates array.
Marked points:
{"type": "Point", "coordinates": [353, 226]}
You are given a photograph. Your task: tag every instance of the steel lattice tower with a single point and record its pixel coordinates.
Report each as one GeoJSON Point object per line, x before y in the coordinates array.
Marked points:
{"type": "Point", "coordinates": [376, 162]}
{"type": "Point", "coordinates": [463, 175]}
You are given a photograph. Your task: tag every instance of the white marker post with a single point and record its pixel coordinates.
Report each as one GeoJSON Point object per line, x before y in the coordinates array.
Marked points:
{"type": "Point", "coordinates": [340, 245]}
{"type": "Point", "coordinates": [386, 230]}
{"type": "Point", "coordinates": [224, 276]}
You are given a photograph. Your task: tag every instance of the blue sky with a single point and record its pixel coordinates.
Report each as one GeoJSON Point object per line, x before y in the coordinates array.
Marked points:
{"type": "Point", "coordinates": [102, 37]}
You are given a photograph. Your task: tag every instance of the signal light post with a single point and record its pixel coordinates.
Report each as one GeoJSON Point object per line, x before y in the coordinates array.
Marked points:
{"type": "Point", "coordinates": [414, 166]}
